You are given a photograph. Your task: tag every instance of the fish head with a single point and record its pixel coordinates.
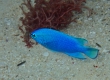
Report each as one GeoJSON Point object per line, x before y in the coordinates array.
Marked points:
{"type": "Point", "coordinates": [41, 36]}
{"type": "Point", "coordinates": [37, 36]}
{"type": "Point", "coordinates": [33, 35]}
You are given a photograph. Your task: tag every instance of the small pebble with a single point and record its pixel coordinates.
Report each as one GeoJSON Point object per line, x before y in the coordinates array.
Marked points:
{"type": "Point", "coordinates": [7, 21]}
{"type": "Point", "coordinates": [89, 18]}
{"type": "Point", "coordinates": [46, 54]}
{"type": "Point", "coordinates": [92, 34]}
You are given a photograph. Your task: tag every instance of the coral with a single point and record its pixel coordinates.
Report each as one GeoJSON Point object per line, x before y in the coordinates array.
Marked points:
{"type": "Point", "coordinates": [56, 14]}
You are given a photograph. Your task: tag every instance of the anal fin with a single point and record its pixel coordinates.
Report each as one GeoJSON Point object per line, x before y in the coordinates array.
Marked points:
{"type": "Point", "coordinates": [76, 55]}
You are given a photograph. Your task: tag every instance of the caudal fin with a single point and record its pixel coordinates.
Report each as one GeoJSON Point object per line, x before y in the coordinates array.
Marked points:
{"type": "Point", "coordinates": [92, 52]}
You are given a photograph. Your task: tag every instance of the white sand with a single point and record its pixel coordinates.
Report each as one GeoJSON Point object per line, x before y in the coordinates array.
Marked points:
{"type": "Point", "coordinates": [42, 64]}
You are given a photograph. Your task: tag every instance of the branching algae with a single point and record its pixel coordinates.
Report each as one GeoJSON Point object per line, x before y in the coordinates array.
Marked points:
{"type": "Point", "coordinates": [56, 14]}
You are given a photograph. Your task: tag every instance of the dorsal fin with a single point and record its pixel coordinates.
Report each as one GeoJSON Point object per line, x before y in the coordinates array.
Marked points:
{"type": "Point", "coordinates": [82, 41]}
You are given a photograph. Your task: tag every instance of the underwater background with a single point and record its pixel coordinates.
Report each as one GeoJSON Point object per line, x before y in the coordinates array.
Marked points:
{"type": "Point", "coordinates": [17, 62]}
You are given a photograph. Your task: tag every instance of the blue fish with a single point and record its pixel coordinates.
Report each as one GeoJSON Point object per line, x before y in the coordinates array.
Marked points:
{"type": "Point", "coordinates": [61, 42]}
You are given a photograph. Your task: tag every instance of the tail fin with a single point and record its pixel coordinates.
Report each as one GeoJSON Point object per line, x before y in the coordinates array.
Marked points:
{"type": "Point", "coordinates": [92, 52]}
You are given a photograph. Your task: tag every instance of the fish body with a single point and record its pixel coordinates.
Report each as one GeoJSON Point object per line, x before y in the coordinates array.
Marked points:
{"type": "Point", "coordinates": [61, 42]}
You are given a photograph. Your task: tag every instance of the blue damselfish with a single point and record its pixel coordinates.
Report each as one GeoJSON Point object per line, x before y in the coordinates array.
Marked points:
{"type": "Point", "coordinates": [61, 42]}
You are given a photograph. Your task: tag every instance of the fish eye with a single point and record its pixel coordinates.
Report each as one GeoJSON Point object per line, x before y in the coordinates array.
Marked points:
{"type": "Point", "coordinates": [33, 35]}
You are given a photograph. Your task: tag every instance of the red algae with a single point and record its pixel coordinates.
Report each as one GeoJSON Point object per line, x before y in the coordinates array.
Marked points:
{"type": "Point", "coordinates": [56, 14]}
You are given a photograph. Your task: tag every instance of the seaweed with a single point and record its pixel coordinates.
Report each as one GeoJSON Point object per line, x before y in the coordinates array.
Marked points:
{"type": "Point", "coordinates": [56, 14]}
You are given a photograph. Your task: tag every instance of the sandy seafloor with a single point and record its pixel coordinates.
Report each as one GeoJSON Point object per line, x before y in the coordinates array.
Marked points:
{"type": "Point", "coordinates": [42, 64]}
